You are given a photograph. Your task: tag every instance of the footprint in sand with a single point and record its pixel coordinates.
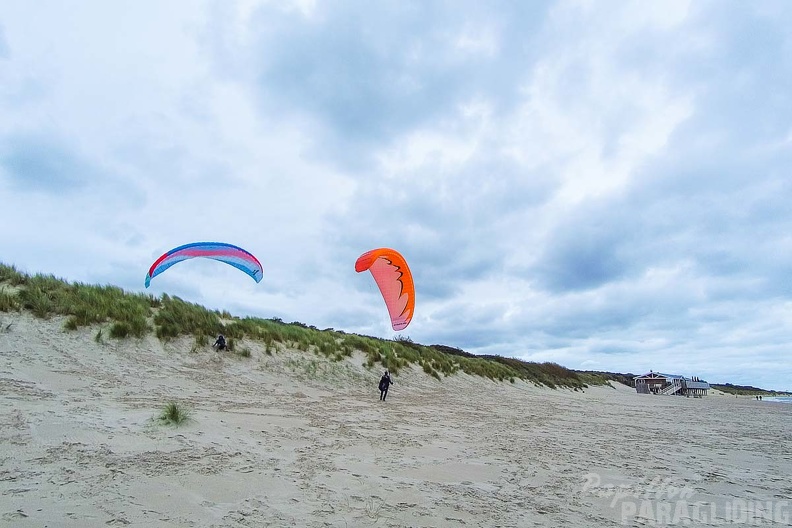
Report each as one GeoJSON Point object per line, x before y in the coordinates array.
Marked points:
{"type": "Point", "coordinates": [10, 516]}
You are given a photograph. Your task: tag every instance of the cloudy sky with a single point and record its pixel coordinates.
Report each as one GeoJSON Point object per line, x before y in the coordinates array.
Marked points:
{"type": "Point", "coordinates": [601, 184]}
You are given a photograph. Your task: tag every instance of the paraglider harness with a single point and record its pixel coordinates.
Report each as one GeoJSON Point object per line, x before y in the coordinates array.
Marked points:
{"type": "Point", "coordinates": [220, 343]}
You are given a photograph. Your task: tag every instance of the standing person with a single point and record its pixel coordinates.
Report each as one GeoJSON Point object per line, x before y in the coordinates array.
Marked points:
{"type": "Point", "coordinates": [385, 382]}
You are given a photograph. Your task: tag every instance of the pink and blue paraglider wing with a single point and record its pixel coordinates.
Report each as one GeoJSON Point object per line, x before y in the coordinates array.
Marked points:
{"type": "Point", "coordinates": [226, 253]}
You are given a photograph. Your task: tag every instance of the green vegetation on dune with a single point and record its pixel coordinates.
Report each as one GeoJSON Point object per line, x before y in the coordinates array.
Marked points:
{"type": "Point", "coordinates": [135, 315]}
{"type": "Point", "coordinates": [747, 390]}
{"type": "Point", "coordinates": [174, 414]}
{"type": "Point", "coordinates": [46, 295]}
{"type": "Point", "coordinates": [9, 302]}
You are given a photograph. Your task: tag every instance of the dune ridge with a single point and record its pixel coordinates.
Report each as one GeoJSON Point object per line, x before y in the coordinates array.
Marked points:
{"type": "Point", "coordinates": [121, 314]}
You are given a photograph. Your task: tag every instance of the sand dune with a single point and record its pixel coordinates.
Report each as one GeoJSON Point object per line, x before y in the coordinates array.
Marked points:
{"type": "Point", "coordinates": [295, 440]}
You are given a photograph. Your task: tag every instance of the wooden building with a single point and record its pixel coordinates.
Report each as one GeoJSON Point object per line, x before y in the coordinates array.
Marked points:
{"type": "Point", "coordinates": [670, 384]}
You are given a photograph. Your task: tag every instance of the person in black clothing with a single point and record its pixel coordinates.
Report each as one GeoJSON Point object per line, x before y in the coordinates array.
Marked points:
{"type": "Point", "coordinates": [385, 382]}
{"type": "Point", "coordinates": [220, 343]}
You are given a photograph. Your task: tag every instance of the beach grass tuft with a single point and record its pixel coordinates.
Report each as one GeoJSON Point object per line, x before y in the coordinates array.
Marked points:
{"type": "Point", "coordinates": [174, 414]}
{"type": "Point", "coordinates": [119, 330]}
{"type": "Point", "coordinates": [71, 323]}
{"type": "Point", "coordinates": [11, 275]}
{"type": "Point", "coordinates": [9, 302]}
{"type": "Point", "coordinates": [38, 301]}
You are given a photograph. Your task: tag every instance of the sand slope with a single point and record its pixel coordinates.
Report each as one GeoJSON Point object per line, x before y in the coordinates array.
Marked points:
{"type": "Point", "coordinates": [294, 440]}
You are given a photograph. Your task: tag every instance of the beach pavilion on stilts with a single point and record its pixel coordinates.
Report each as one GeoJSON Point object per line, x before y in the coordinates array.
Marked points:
{"type": "Point", "coordinates": [668, 384]}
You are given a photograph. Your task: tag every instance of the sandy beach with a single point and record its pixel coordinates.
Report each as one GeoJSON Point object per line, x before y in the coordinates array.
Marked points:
{"type": "Point", "coordinates": [293, 439]}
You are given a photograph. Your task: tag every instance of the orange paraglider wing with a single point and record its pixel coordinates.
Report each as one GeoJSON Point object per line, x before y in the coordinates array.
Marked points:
{"type": "Point", "coordinates": [395, 282]}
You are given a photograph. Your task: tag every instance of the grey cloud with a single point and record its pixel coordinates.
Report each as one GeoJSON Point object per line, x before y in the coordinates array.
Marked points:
{"type": "Point", "coordinates": [587, 249]}
{"type": "Point", "coordinates": [580, 259]}
{"type": "Point", "coordinates": [724, 211]}
{"type": "Point", "coordinates": [446, 227]}
{"type": "Point", "coordinates": [743, 88]}
{"type": "Point", "coordinates": [368, 74]}
{"type": "Point", "coordinates": [34, 163]}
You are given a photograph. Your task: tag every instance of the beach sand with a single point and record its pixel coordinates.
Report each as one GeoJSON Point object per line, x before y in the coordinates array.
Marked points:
{"type": "Point", "coordinates": [295, 440]}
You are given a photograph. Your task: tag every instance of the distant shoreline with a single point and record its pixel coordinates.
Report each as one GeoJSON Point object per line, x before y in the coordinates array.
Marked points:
{"type": "Point", "coordinates": [778, 399]}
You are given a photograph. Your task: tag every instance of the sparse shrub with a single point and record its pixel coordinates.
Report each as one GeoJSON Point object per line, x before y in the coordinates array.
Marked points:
{"type": "Point", "coordinates": [243, 352]}
{"type": "Point", "coordinates": [98, 337]}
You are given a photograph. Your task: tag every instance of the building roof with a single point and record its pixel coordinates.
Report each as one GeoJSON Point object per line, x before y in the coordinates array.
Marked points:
{"type": "Point", "coordinates": [661, 375]}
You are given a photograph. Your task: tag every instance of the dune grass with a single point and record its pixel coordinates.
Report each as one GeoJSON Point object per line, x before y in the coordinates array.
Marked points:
{"type": "Point", "coordinates": [174, 414]}
{"type": "Point", "coordinates": [84, 305]}
{"type": "Point", "coordinates": [746, 390]}
{"type": "Point", "coordinates": [11, 275]}
{"type": "Point", "coordinates": [9, 301]}
{"type": "Point", "coordinates": [325, 370]}
{"type": "Point", "coordinates": [134, 315]}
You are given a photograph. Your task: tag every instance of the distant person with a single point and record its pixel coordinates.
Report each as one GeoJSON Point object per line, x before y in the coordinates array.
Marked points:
{"type": "Point", "coordinates": [220, 343]}
{"type": "Point", "coordinates": [385, 382]}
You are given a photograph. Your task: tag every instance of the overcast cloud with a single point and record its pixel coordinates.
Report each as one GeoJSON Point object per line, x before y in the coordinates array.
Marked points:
{"type": "Point", "coordinates": [605, 185]}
